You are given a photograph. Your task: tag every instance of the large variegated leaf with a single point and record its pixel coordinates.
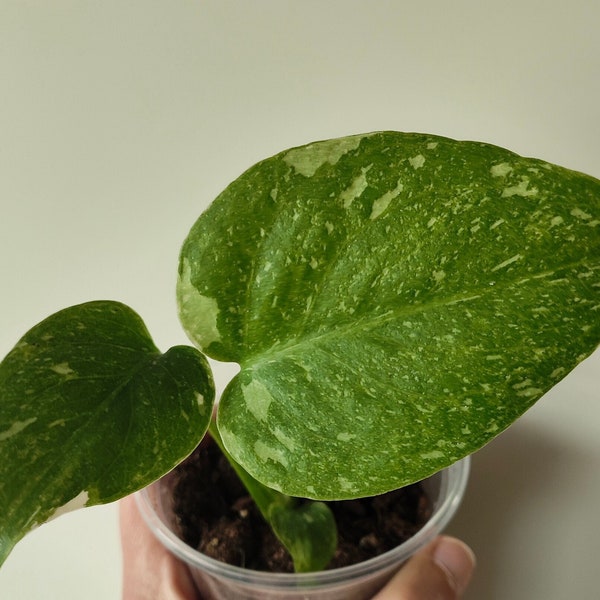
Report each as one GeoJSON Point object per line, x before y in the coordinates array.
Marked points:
{"type": "Point", "coordinates": [91, 411]}
{"type": "Point", "coordinates": [394, 300]}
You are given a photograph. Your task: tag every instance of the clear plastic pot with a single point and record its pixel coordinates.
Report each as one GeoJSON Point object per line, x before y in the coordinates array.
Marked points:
{"type": "Point", "coordinates": [217, 581]}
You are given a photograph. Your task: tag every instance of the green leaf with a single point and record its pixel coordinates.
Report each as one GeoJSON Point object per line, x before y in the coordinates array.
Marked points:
{"type": "Point", "coordinates": [306, 528]}
{"type": "Point", "coordinates": [394, 300]}
{"type": "Point", "coordinates": [91, 411]}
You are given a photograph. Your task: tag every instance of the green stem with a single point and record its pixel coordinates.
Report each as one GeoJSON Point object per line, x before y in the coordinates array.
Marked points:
{"type": "Point", "coordinates": [263, 496]}
{"type": "Point", "coordinates": [307, 529]}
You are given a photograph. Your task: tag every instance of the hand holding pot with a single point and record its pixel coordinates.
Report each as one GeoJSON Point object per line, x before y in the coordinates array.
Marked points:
{"type": "Point", "coordinates": [441, 570]}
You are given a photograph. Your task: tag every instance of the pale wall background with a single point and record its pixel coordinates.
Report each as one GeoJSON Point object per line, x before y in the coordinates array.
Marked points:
{"type": "Point", "coordinates": [121, 119]}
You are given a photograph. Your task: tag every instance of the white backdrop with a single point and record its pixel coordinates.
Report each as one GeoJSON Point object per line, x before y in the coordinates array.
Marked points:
{"type": "Point", "coordinates": [121, 120]}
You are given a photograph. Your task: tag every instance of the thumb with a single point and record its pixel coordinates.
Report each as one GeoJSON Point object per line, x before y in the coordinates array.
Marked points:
{"type": "Point", "coordinates": [441, 571]}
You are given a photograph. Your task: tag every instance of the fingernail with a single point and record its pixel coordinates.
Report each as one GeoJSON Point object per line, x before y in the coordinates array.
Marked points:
{"type": "Point", "coordinates": [457, 560]}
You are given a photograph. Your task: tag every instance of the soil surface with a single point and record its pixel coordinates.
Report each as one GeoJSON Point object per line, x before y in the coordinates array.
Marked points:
{"type": "Point", "coordinates": [217, 517]}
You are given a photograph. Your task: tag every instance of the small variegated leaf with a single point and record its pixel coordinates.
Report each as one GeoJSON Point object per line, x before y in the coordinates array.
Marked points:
{"type": "Point", "coordinates": [91, 411]}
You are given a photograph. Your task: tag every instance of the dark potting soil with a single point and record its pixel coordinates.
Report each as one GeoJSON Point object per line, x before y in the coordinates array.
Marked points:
{"type": "Point", "coordinates": [217, 517]}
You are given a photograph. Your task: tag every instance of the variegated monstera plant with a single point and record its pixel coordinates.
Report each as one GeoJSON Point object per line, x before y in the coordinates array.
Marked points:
{"type": "Point", "coordinates": [394, 301]}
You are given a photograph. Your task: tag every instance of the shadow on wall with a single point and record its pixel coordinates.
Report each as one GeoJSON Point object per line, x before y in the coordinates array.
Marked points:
{"type": "Point", "coordinates": [511, 477]}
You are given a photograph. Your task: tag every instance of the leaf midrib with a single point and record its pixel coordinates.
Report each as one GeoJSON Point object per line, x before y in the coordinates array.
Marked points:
{"type": "Point", "coordinates": [277, 351]}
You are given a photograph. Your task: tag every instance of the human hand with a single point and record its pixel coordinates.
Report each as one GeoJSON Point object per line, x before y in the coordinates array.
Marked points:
{"type": "Point", "coordinates": [441, 571]}
{"type": "Point", "coordinates": [150, 571]}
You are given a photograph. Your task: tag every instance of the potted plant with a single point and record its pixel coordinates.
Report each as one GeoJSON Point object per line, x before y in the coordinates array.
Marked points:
{"type": "Point", "coordinates": [394, 302]}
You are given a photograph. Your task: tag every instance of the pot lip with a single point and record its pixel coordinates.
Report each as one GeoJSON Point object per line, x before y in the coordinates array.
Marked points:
{"type": "Point", "coordinates": [452, 488]}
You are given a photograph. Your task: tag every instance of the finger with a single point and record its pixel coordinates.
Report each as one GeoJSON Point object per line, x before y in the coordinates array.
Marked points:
{"type": "Point", "coordinates": [441, 571]}
{"type": "Point", "coordinates": [150, 572]}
